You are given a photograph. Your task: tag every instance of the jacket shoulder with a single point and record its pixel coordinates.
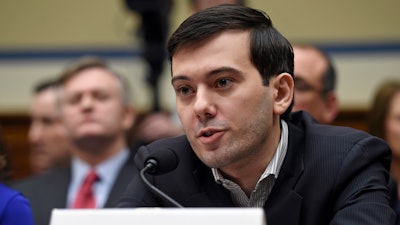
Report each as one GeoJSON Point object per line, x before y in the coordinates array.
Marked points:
{"type": "Point", "coordinates": [320, 140]}
{"type": "Point", "coordinates": [43, 181]}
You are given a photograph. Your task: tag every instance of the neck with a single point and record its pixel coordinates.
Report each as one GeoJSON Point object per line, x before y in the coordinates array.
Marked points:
{"type": "Point", "coordinates": [247, 173]}
{"type": "Point", "coordinates": [97, 150]}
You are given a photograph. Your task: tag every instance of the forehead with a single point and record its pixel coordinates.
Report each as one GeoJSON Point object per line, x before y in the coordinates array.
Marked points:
{"type": "Point", "coordinates": [229, 48]}
{"type": "Point", "coordinates": [48, 94]}
{"type": "Point", "coordinates": [91, 78]}
{"type": "Point", "coordinates": [45, 97]}
{"type": "Point", "coordinates": [44, 102]}
{"type": "Point", "coordinates": [309, 64]}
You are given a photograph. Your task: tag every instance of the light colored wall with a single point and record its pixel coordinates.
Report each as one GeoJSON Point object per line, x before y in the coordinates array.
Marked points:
{"type": "Point", "coordinates": [49, 23]}
{"type": "Point", "coordinates": [74, 24]}
{"type": "Point", "coordinates": [334, 21]}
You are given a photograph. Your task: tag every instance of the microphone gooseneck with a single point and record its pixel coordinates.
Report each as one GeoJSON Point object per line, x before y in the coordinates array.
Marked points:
{"type": "Point", "coordinates": [160, 162]}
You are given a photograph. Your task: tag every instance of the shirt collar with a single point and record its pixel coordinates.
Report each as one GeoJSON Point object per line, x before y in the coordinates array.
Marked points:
{"type": "Point", "coordinates": [106, 170]}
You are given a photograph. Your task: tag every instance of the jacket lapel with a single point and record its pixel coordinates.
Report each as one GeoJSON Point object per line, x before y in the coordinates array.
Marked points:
{"type": "Point", "coordinates": [284, 204]}
{"type": "Point", "coordinates": [125, 175]}
{"type": "Point", "coordinates": [210, 193]}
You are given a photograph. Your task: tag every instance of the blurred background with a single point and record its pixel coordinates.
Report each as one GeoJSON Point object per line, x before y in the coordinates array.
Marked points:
{"type": "Point", "coordinates": [38, 38]}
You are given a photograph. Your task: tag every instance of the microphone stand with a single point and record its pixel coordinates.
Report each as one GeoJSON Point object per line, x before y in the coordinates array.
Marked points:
{"type": "Point", "coordinates": [154, 189]}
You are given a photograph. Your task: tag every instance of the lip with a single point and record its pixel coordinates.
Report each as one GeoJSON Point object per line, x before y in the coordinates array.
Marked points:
{"type": "Point", "coordinates": [215, 135]}
{"type": "Point", "coordinates": [88, 120]}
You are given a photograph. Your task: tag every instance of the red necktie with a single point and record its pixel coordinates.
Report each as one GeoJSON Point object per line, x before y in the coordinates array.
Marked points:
{"type": "Point", "coordinates": [85, 197]}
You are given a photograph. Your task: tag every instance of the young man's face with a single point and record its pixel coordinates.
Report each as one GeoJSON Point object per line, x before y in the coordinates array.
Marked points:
{"type": "Point", "coordinates": [226, 111]}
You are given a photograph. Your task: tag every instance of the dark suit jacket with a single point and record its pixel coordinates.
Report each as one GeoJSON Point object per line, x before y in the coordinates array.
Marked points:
{"type": "Point", "coordinates": [330, 175]}
{"type": "Point", "coordinates": [48, 191]}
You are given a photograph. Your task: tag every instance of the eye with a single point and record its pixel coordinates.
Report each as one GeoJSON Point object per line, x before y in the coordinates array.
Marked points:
{"type": "Point", "coordinates": [223, 82]}
{"type": "Point", "coordinates": [184, 91]}
{"type": "Point", "coordinates": [101, 95]}
{"type": "Point", "coordinates": [47, 121]}
{"type": "Point", "coordinates": [302, 86]}
{"type": "Point", "coordinates": [73, 99]}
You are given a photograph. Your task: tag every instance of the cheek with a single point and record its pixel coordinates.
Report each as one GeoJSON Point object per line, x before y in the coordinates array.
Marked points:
{"type": "Point", "coordinates": [70, 114]}
{"type": "Point", "coordinates": [394, 130]}
{"type": "Point", "coordinates": [393, 135]}
{"type": "Point", "coordinates": [185, 114]}
{"type": "Point", "coordinates": [60, 133]}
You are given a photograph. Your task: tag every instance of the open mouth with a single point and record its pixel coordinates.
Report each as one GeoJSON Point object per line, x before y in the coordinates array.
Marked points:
{"type": "Point", "coordinates": [208, 133]}
{"type": "Point", "coordinates": [210, 136]}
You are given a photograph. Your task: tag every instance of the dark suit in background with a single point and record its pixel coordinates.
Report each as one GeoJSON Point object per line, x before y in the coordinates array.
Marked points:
{"type": "Point", "coordinates": [330, 175]}
{"type": "Point", "coordinates": [48, 191]}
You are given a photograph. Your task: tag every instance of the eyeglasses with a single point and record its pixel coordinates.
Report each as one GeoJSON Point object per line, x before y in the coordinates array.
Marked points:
{"type": "Point", "coordinates": [302, 86]}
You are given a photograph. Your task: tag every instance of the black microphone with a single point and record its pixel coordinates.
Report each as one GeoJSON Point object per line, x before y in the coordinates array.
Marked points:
{"type": "Point", "coordinates": [160, 162]}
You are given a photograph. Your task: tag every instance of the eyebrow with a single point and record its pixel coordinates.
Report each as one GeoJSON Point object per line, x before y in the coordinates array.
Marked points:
{"type": "Point", "coordinates": [210, 73]}
{"type": "Point", "coordinates": [179, 77]}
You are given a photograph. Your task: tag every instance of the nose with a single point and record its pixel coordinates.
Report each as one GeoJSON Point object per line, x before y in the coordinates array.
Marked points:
{"type": "Point", "coordinates": [204, 105]}
{"type": "Point", "coordinates": [87, 102]}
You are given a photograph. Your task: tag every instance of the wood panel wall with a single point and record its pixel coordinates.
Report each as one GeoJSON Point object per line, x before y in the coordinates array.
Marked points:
{"type": "Point", "coordinates": [15, 129]}
{"type": "Point", "coordinates": [353, 118]}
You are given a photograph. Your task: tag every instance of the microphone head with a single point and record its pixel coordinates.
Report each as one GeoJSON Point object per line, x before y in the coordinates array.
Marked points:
{"type": "Point", "coordinates": [163, 160]}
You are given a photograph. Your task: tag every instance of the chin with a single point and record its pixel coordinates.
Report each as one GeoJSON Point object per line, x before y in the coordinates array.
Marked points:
{"type": "Point", "coordinates": [90, 131]}
{"type": "Point", "coordinates": [88, 136]}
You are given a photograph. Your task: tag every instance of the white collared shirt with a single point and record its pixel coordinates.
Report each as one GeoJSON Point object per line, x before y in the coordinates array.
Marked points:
{"type": "Point", "coordinates": [107, 172]}
{"type": "Point", "coordinates": [265, 183]}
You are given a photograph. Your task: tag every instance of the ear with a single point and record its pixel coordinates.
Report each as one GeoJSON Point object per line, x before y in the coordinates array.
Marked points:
{"type": "Point", "coordinates": [282, 87]}
{"type": "Point", "coordinates": [331, 107]}
{"type": "Point", "coordinates": [129, 117]}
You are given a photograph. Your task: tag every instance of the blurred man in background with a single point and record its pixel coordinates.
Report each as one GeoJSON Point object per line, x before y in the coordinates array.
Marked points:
{"type": "Point", "coordinates": [315, 80]}
{"type": "Point", "coordinates": [95, 106]}
{"type": "Point", "coordinates": [49, 144]}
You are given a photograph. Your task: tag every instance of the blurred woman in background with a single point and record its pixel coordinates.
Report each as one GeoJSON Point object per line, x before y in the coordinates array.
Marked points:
{"type": "Point", "coordinates": [14, 208]}
{"type": "Point", "coordinates": [384, 122]}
